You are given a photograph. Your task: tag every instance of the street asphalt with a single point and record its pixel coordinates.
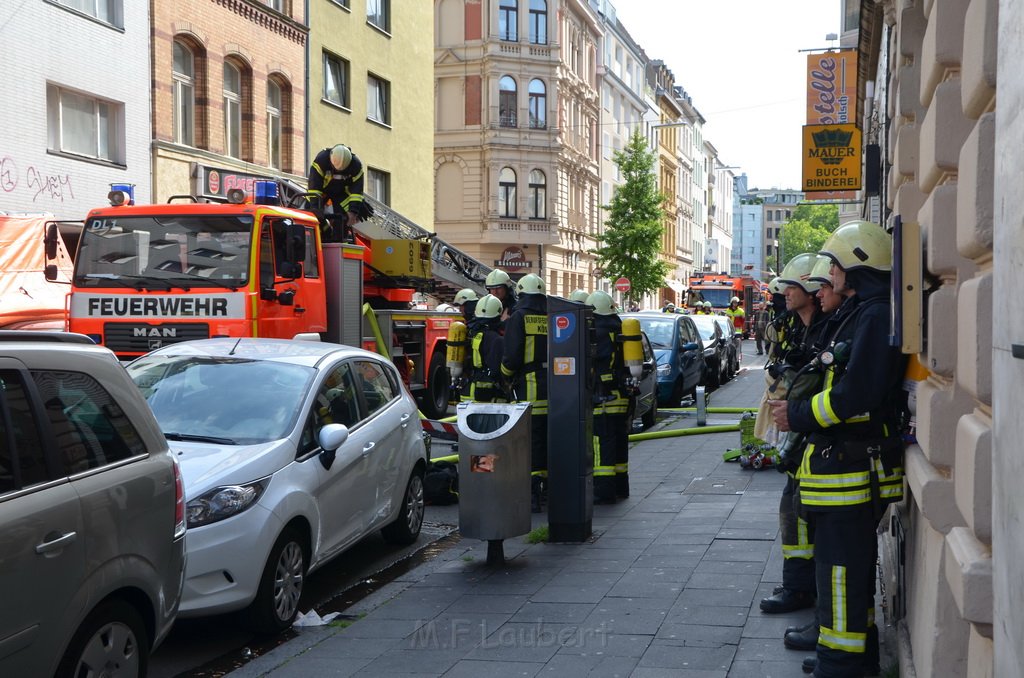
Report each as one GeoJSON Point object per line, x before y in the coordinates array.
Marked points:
{"type": "Point", "coordinates": [668, 585]}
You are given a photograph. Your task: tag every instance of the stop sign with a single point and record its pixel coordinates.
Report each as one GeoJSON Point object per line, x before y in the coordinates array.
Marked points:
{"type": "Point", "coordinates": [622, 284]}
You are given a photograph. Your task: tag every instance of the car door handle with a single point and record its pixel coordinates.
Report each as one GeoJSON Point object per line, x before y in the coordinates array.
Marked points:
{"type": "Point", "coordinates": [405, 419]}
{"type": "Point", "coordinates": [368, 447]}
{"type": "Point", "coordinates": [57, 544]}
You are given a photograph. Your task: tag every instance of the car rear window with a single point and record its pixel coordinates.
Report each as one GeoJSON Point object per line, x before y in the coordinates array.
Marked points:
{"type": "Point", "coordinates": [22, 460]}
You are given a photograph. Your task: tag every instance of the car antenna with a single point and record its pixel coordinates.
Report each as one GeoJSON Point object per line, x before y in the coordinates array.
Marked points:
{"type": "Point", "coordinates": [232, 351]}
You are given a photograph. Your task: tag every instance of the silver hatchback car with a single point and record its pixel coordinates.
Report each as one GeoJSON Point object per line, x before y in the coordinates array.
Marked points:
{"type": "Point", "coordinates": [92, 513]}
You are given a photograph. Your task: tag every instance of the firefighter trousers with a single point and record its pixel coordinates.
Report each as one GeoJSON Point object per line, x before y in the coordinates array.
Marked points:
{"type": "Point", "coordinates": [845, 554]}
{"type": "Point", "coordinates": [797, 543]}
{"type": "Point", "coordinates": [611, 436]}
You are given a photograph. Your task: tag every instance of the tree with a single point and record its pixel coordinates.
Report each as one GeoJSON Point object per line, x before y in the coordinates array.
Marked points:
{"type": "Point", "coordinates": [808, 229]}
{"type": "Point", "coordinates": [631, 241]}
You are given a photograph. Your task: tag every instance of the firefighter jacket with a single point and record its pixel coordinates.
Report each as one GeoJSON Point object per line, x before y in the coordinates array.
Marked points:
{"type": "Point", "coordinates": [524, 359]}
{"type": "Point", "coordinates": [609, 366]}
{"type": "Point", "coordinates": [485, 350]}
{"type": "Point", "coordinates": [737, 316]}
{"type": "Point", "coordinates": [343, 189]}
{"type": "Point", "coordinates": [855, 454]}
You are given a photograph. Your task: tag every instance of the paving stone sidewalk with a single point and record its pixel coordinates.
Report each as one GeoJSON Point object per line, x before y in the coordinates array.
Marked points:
{"type": "Point", "coordinates": [668, 585]}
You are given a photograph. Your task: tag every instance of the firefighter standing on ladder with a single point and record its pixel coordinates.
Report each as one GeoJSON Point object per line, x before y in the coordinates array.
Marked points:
{"type": "Point", "coordinates": [336, 176]}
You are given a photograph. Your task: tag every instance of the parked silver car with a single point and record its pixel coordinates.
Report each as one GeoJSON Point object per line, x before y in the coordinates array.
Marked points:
{"type": "Point", "coordinates": [92, 518]}
{"type": "Point", "coordinates": [291, 452]}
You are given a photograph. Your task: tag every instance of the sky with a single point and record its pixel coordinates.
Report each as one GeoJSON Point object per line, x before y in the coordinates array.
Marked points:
{"type": "Point", "coordinates": [739, 62]}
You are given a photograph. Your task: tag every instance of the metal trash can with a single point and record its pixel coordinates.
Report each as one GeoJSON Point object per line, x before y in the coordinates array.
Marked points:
{"type": "Point", "coordinates": [494, 473]}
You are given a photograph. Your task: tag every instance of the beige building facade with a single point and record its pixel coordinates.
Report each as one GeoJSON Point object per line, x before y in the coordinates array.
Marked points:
{"type": "Point", "coordinates": [516, 168]}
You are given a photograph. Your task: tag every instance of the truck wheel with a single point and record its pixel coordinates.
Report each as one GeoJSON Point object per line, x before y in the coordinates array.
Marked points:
{"type": "Point", "coordinates": [433, 400]}
{"type": "Point", "coordinates": [406, 527]}
{"type": "Point", "coordinates": [112, 641]}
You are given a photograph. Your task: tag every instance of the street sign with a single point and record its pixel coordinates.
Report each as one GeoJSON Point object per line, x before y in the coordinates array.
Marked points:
{"type": "Point", "coordinates": [622, 284]}
{"type": "Point", "coordinates": [831, 157]}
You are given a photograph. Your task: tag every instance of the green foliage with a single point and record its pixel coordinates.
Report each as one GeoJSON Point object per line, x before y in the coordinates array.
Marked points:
{"type": "Point", "coordinates": [631, 241]}
{"type": "Point", "coordinates": [538, 536]}
{"type": "Point", "coordinates": [808, 229]}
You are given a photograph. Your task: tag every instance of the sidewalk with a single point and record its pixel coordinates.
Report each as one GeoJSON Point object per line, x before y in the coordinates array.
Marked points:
{"type": "Point", "coordinates": [668, 585]}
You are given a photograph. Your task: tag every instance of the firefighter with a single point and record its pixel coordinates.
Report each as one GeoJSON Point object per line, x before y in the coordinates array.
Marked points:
{"type": "Point", "coordinates": [827, 296]}
{"type": "Point", "coordinates": [579, 295]}
{"type": "Point", "coordinates": [500, 285]}
{"type": "Point", "coordinates": [852, 467]}
{"type": "Point", "coordinates": [524, 364]}
{"type": "Point", "coordinates": [336, 176]}
{"type": "Point", "coordinates": [485, 353]}
{"type": "Point", "coordinates": [737, 316]}
{"type": "Point", "coordinates": [669, 307]}
{"type": "Point", "coordinates": [611, 404]}
{"type": "Point", "coordinates": [761, 318]}
{"type": "Point", "coordinates": [466, 300]}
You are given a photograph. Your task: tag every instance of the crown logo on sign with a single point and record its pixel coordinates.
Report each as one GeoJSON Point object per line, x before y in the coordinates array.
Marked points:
{"type": "Point", "coordinates": [831, 138]}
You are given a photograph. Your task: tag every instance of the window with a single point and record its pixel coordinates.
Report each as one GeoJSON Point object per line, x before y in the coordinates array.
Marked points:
{"type": "Point", "coordinates": [507, 101]}
{"type": "Point", "coordinates": [336, 401]}
{"type": "Point", "coordinates": [232, 111]}
{"type": "Point", "coordinates": [378, 100]}
{"type": "Point", "coordinates": [768, 250]}
{"type": "Point", "coordinates": [538, 105]}
{"type": "Point", "coordinates": [769, 233]}
{"type": "Point", "coordinates": [183, 95]}
{"type": "Point", "coordinates": [538, 195]}
{"type": "Point", "coordinates": [508, 20]}
{"type": "Point", "coordinates": [378, 390]}
{"type": "Point", "coordinates": [84, 125]}
{"type": "Point", "coordinates": [789, 213]}
{"type": "Point", "coordinates": [768, 215]}
{"type": "Point", "coordinates": [778, 215]}
{"type": "Point", "coordinates": [507, 192]}
{"type": "Point", "coordinates": [336, 80]}
{"type": "Point", "coordinates": [539, 22]}
{"type": "Point", "coordinates": [24, 464]}
{"type": "Point", "coordinates": [273, 124]}
{"type": "Point", "coordinates": [108, 11]}
{"type": "Point", "coordinates": [275, 4]}
{"type": "Point", "coordinates": [378, 13]}
{"type": "Point", "coordinates": [378, 185]}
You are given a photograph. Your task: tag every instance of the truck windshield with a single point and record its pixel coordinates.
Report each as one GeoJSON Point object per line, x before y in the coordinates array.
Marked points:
{"type": "Point", "coordinates": [161, 251]}
{"type": "Point", "coordinates": [719, 297]}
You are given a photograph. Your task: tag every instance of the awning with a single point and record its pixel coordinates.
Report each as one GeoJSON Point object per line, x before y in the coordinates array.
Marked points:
{"type": "Point", "coordinates": [675, 285]}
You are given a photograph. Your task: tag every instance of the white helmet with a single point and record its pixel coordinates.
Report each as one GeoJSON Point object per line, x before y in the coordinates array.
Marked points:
{"type": "Point", "coordinates": [602, 302]}
{"type": "Point", "coordinates": [579, 295]}
{"type": "Point", "coordinates": [341, 157]}
{"type": "Point", "coordinates": [489, 306]}
{"type": "Point", "coordinates": [465, 295]}
{"type": "Point", "coordinates": [734, 300]}
{"type": "Point", "coordinates": [530, 283]}
{"type": "Point", "coordinates": [707, 304]}
{"type": "Point", "coordinates": [497, 278]}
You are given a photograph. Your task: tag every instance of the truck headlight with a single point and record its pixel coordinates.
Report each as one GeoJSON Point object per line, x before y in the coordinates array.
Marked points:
{"type": "Point", "coordinates": [223, 502]}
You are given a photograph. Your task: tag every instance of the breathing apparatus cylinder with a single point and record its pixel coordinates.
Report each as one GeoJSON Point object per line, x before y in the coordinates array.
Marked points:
{"type": "Point", "coordinates": [632, 349]}
{"type": "Point", "coordinates": [457, 343]}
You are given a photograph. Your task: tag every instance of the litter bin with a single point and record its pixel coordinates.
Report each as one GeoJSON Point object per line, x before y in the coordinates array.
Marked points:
{"type": "Point", "coordinates": [494, 473]}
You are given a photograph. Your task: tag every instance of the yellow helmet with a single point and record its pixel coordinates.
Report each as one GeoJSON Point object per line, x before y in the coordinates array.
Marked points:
{"type": "Point", "coordinates": [797, 272]}
{"type": "Point", "coordinates": [820, 271]}
{"type": "Point", "coordinates": [341, 157]}
{"type": "Point", "coordinates": [489, 306]}
{"type": "Point", "coordinates": [465, 295]}
{"type": "Point", "coordinates": [579, 295]}
{"type": "Point", "coordinates": [775, 287]}
{"type": "Point", "coordinates": [602, 302]}
{"type": "Point", "coordinates": [497, 278]}
{"type": "Point", "coordinates": [530, 283]}
{"type": "Point", "coordinates": [860, 244]}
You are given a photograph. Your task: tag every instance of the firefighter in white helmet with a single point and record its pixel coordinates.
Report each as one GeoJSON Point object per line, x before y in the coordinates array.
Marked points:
{"type": "Point", "coordinates": [336, 176]}
{"type": "Point", "coordinates": [611, 406]}
{"type": "Point", "coordinates": [737, 316]}
{"type": "Point", "coordinates": [466, 300]}
{"type": "Point", "coordinates": [501, 285]}
{"type": "Point", "coordinates": [485, 353]}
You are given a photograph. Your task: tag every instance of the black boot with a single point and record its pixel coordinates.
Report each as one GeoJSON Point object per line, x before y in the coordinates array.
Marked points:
{"type": "Point", "coordinates": [622, 485]}
{"type": "Point", "coordinates": [811, 663]}
{"type": "Point", "coordinates": [800, 629]}
{"type": "Point", "coordinates": [806, 640]}
{"type": "Point", "coordinates": [787, 601]}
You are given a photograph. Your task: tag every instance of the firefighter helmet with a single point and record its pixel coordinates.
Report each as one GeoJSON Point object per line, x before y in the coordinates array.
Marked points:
{"type": "Point", "coordinates": [602, 302]}
{"type": "Point", "coordinates": [860, 244]}
{"type": "Point", "coordinates": [341, 157]}
{"type": "Point", "coordinates": [707, 304]}
{"type": "Point", "coordinates": [797, 272]}
{"type": "Point", "coordinates": [497, 278]}
{"type": "Point", "coordinates": [775, 287]}
{"type": "Point", "coordinates": [734, 300]}
{"type": "Point", "coordinates": [465, 295]}
{"type": "Point", "coordinates": [579, 295]}
{"type": "Point", "coordinates": [530, 283]}
{"type": "Point", "coordinates": [489, 306]}
{"type": "Point", "coordinates": [820, 271]}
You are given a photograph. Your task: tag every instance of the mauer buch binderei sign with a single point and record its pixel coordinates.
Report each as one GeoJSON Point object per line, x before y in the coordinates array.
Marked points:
{"type": "Point", "coordinates": [832, 160]}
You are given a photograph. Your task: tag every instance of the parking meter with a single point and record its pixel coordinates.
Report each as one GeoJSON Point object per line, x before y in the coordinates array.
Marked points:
{"type": "Point", "coordinates": [571, 348]}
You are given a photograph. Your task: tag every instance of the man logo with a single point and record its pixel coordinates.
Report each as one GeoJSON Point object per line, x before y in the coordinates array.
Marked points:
{"type": "Point", "coordinates": [165, 332]}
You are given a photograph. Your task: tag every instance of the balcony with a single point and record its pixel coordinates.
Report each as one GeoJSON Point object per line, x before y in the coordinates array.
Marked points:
{"type": "Point", "coordinates": [521, 232]}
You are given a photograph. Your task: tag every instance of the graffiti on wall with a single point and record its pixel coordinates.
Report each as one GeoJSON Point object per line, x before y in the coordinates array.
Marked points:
{"type": "Point", "coordinates": [42, 184]}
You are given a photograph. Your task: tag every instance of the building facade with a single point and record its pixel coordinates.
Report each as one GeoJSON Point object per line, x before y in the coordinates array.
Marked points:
{"type": "Point", "coordinates": [371, 86]}
{"type": "Point", "coordinates": [661, 82]}
{"type": "Point", "coordinates": [73, 125]}
{"type": "Point", "coordinates": [516, 164]}
{"type": "Point", "coordinates": [691, 235]}
{"type": "Point", "coordinates": [229, 94]}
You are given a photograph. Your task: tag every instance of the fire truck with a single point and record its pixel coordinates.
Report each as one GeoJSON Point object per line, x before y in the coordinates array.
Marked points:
{"type": "Point", "coordinates": [719, 288]}
{"type": "Point", "coordinates": [251, 266]}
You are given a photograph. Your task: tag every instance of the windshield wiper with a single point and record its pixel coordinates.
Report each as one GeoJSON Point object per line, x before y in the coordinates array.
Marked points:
{"type": "Point", "coordinates": [655, 344]}
{"type": "Point", "coordinates": [124, 280]}
{"type": "Point", "coordinates": [199, 439]}
{"type": "Point", "coordinates": [178, 281]}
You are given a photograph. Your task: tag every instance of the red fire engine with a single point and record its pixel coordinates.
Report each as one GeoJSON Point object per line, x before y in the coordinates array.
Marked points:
{"type": "Point", "coordinates": [719, 289]}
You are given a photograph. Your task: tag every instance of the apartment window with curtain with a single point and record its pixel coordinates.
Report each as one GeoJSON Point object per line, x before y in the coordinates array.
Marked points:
{"type": "Point", "coordinates": [84, 125]}
{"type": "Point", "coordinates": [275, 4]}
{"type": "Point", "coordinates": [274, 108]}
{"type": "Point", "coordinates": [378, 185]}
{"type": "Point", "coordinates": [538, 195]}
{"type": "Point", "coordinates": [378, 13]}
{"type": "Point", "coordinates": [336, 80]}
{"type": "Point", "coordinates": [232, 110]}
{"type": "Point", "coordinates": [183, 95]}
{"type": "Point", "coordinates": [538, 104]}
{"type": "Point", "coordinates": [507, 193]}
{"type": "Point", "coordinates": [107, 11]}
{"type": "Point", "coordinates": [508, 20]}
{"type": "Point", "coordinates": [539, 22]}
{"type": "Point", "coordinates": [507, 101]}
{"type": "Point", "coordinates": [378, 100]}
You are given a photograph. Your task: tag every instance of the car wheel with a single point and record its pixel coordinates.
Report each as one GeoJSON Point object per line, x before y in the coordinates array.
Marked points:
{"type": "Point", "coordinates": [726, 372]}
{"type": "Point", "coordinates": [277, 598]}
{"type": "Point", "coordinates": [406, 527]}
{"type": "Point", "coordinates": [715, 380]}
{"type": "Point", "coordinates": [651, 415]}
{"type": "Point", "coordinates": [112, 641]}
{"type": "Point", "coordinates": [433, 401]}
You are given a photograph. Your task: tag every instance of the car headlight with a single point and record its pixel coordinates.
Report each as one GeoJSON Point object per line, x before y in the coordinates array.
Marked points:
{"type": "Point", "coordinates": [223, 502]}
{"type": "Point", "coordinates": [664, 369]}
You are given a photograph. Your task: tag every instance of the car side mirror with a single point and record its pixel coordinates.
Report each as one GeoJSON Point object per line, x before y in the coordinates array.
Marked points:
{"type": "Point", "coordinates": [50, 243]}
{"type": "Point", "coordinates": [691, 346]}
{"type": "Point", "coordinates": [50, 272]}
{"type": "Point", "coordinates": [332, 436]}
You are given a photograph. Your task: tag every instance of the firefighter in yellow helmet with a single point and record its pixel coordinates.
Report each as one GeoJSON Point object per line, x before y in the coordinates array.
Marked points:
{"type": "Point", "coordinates": [611, 418]}
{"type": "Point", "coordinates": [524, 364]}
{"type": "Point", "coordinates": [853, 465]}
{"type": "Point", "coordinates": [485, 353]}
